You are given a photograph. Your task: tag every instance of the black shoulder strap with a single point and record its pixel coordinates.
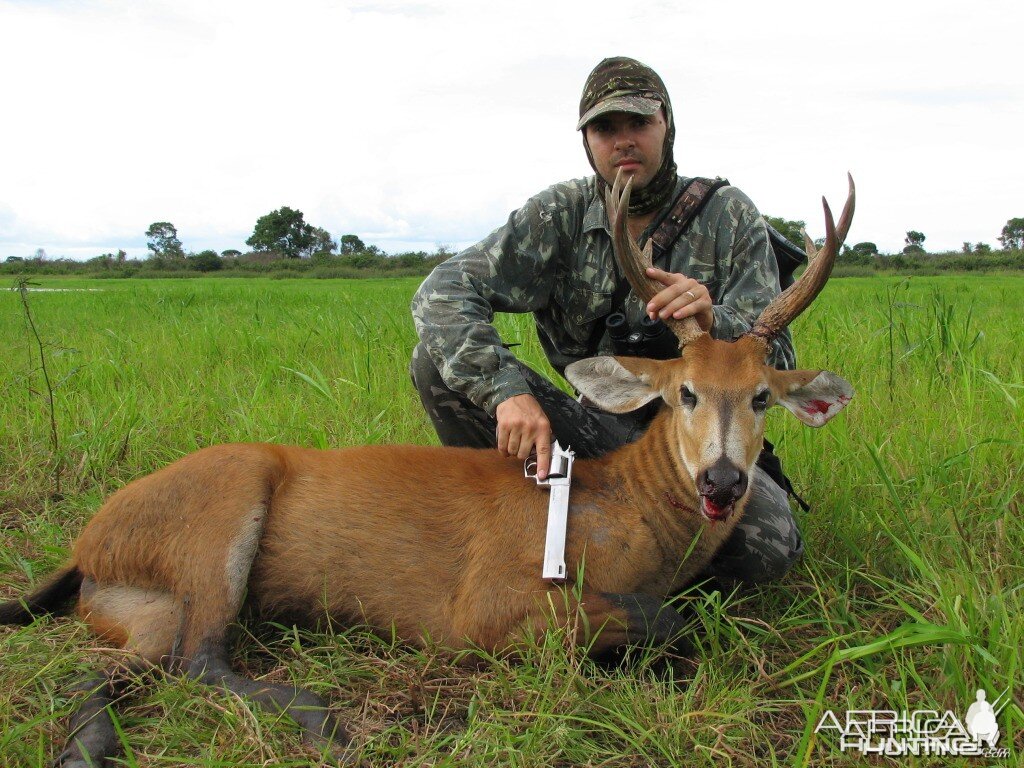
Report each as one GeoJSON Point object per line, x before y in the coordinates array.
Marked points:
{"type": "Point", "coordinates": [687, 206]}
{"type": "Point", "coordinates": [684, 210]}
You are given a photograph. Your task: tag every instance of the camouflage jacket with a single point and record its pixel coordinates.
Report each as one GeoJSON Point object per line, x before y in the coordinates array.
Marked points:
{"type": "Point", "coordinates": [554, 258]}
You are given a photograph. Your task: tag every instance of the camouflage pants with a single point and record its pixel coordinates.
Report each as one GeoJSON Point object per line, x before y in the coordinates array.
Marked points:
{"type": "Point", "coordinates": [765, 543]}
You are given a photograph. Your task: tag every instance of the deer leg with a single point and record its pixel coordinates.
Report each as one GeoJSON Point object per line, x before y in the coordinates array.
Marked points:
{"type": "Point", "coordinates": [217, 595]}
{"type": "Point", "coordinates": [154, 625]}
{"type": "Point", "coordinates": [631, 619]}
{"type": "Point", "coordinates": [610, 620]}
{"type": "Point", "coordinates": [185, 629]}
{"type": "Point", "coordinates": [143, 623]}
{"type": "Point", "coordinates": [320, 728]}
{"type": "Point", "coordinates": [93, 738]}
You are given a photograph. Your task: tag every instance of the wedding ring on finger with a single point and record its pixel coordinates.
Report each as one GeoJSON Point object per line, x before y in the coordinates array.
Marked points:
{"type": "Point", "coordinates": [691, 295]}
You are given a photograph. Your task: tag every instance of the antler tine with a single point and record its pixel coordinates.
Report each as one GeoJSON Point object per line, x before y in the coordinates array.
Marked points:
{"type": "Point", "coordinates": [842, 228]}
{"type": "Point", "coordinates": [790, 303]}
{"type": "Point", "coordinates": [634, 262]}
{"type": "Point", "coordinates": [846, 217]}
{"type": "Point", "coordinates": [809, 246]}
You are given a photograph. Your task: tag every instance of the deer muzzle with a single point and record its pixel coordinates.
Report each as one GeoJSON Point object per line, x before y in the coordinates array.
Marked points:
{"type": "Point", "coordinates": [720, 486]}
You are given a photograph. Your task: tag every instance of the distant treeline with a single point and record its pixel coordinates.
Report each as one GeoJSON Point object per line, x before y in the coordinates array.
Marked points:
{"type": "Point", "coordinates": [209, 263]}
{"type": "Point", "coordinates": [850, 263]}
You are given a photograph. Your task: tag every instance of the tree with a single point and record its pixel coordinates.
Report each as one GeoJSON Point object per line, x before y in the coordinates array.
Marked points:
{"type": "Point", "coordinates": [914, 240]}
{"type": "Point", "coordinates": [791, 230]}
{"type": "Point", "coordinates": [967, 246]}
{"type": "Point", "coordinates": [284, 231]}
{"type": "Point", "coordinates": [351, 244]}
{"type": "Point", "coordinates": [230, 253]}
{"type": "Point", "coordinates": [982, 248]}
{"type": "Point", "coordinates": [865, 249]}
{"type": "Point", "coordinates": [1012, 236]}
{"type": "Point", "coordinates": [163, 240]}
{"type": "Point", "coordinates": [322, 242]}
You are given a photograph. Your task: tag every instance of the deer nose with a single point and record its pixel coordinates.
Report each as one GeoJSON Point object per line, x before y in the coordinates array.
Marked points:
{"type": "Point", "coordinates": [723, 482]}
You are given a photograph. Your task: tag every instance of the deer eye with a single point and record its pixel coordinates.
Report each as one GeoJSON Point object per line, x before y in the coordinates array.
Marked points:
{"type": "Point", "coordinates": [689, 399]}
{"type": "Point", "coordinates": [760, 401]}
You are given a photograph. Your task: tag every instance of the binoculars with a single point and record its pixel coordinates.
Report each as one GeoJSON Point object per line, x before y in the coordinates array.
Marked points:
{"type": "Point", "coordinates": [652, 339]}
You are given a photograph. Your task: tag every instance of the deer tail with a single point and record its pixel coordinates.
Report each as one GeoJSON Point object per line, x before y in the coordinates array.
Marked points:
{"type": "Point", "coordinates": [52, 597]}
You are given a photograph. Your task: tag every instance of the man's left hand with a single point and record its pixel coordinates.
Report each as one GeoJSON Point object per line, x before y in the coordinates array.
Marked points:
{"type": "Point", "coordinates": [682, 297]}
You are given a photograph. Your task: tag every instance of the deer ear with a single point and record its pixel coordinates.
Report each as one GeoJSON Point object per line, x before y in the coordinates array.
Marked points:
{"type": "Point", "coordinates": [605, 382]}
{"type": "Point", "coordinates": [814, 397]}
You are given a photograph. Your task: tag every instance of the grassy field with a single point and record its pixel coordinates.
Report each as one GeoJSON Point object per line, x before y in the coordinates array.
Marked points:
{"type": "Point", "coordinates": [909, 596]}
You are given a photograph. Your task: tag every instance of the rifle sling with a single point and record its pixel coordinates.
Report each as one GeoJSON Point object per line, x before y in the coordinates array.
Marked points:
{"type": "Point", "coordinates": [685, 209]}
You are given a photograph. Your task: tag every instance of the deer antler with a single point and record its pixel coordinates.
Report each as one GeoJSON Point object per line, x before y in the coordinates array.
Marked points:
{"type": "Point", "coordinates": [785, 307]}
{"type": "Point", "coordinates": [634, 262]}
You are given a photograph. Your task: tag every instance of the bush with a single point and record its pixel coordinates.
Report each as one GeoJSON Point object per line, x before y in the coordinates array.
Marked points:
{"type": "Point", "coordinates": [205, 261]}
{"type": "Point", "coordinates": [362, 261]}
{"type": "Point", "coordinates": [855, 258]}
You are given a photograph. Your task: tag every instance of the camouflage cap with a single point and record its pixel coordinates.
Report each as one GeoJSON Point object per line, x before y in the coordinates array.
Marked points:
{"type": "Point", "coordinates": [621, 84]}
{"type": "Point", "coordinates": [622, 101]}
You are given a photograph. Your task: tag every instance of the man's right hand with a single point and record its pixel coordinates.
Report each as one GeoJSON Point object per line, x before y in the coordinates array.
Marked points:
{"type": "Point", "coordinates": [522, 428]}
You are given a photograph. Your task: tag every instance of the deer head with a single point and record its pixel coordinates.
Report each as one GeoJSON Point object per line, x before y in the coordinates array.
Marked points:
{"type": "Point", "coordinates": [717, 392]}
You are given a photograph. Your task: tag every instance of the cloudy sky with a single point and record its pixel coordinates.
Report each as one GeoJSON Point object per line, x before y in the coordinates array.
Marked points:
{"type": "Point", "coordinates": [418, 123]}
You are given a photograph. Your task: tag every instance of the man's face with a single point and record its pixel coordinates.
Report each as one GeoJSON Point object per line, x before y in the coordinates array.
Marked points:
{"type": "Point", "coordinates": [627, 141]}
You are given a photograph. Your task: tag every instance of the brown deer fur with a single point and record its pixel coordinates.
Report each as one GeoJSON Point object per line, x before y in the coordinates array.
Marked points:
{"type": "Point", "coordinates": [379, 536]}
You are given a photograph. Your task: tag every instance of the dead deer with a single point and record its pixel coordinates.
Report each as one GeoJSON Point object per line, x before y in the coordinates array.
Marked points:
{"type": "Point", "coordinates": [438, 543]}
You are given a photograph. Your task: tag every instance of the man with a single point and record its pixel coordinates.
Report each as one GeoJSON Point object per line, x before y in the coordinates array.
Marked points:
{"type": "Point", "coordinates": [554, 258]}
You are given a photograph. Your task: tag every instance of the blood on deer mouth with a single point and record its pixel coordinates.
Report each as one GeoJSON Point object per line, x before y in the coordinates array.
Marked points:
{"type": "Point", "coordinates": [715, 512]}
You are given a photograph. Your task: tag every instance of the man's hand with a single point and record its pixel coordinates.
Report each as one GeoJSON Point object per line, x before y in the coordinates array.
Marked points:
{"type": "Point", "coordinates": [681, 297]}
{"type": "Point", "coordinates": [523, 427]}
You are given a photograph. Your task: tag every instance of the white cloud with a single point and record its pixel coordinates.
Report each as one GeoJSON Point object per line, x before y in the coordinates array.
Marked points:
{"type": "Point", "coordinates": [424, 122]}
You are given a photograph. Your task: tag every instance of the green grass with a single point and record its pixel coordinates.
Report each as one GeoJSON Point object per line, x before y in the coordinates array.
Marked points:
{"type": "Point", "coordinates": [910, 595]}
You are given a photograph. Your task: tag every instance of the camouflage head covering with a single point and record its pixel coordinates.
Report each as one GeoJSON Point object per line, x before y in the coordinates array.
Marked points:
{"type": "Point", "coordinates": [621, 84]}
